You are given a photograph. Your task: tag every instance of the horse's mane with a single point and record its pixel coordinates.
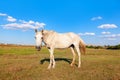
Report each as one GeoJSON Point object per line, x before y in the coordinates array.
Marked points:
{"type": "Point", "coordinates": [48, 31]}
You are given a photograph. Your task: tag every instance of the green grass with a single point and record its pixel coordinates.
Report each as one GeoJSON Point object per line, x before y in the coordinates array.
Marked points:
{"type": "Point", "coordinates": [17, 50]}
{"type": "Point", "coordinates": [23, 63]}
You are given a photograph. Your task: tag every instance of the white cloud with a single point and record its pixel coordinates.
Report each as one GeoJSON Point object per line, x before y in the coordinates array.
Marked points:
{"type": "Point", "coordinates": [87, 34]}
{"type": "Point", "coordinates": [24, 26]}
{"type": "Point", "coordinates": [111, 37]}
{"type": "Point", "coordinates": [11, 19]}
{"type": "Point", "coordinates": [35, 24]}
{"type": "Point", "coordinates": [25, 22]}
{"type": "Point", "coordinates": [105, 33]}
{"type": "Point", "coordinates": [107, 26]}
{"type": "Point", "coordinates": [2, 14]}
{"type": "Point", "coordinates": [96, 18]}
{"type": "Point", "coordinates": [31, 22]}
{"type": "Point", "coordinates": [17, 26]}
{"type": "Point", "coordinates": [20, 24]}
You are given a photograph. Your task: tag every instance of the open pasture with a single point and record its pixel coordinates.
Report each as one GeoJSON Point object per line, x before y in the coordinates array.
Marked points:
{"type": "Point", "coordinates": [25, 63]}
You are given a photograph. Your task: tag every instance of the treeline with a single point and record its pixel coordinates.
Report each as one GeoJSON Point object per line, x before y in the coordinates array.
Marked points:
{"type": "Point", "coordinates": [95, 47]}
{"type": "Point", "coordinates": [15, 45]}
{"type": "Point", "coordinates": [113, 47]}
{"type": "Point", "coordinates": [87, 46]}
{"type": "Point", "coordinates": [104, 47]}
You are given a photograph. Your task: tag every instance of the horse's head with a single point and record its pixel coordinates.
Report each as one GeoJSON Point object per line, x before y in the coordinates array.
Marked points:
{"type": "Point", "coordinates": [38, 38]}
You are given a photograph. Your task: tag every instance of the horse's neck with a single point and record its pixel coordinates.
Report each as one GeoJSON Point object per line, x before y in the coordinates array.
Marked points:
{"type": "Point", "coordinates": [48, 36]}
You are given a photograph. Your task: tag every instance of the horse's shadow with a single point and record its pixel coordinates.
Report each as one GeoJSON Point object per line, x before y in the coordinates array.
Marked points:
{"type": "Point", "coordinates": [56, 59]}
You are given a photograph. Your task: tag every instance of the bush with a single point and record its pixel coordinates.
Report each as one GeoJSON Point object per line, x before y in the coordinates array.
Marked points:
{"type": "Point", "coordinates": [114, 47]}
{"type": "Point", "coordinates": [94, 47]}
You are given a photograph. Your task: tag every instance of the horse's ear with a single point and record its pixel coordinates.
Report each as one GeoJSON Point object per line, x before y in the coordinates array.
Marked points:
{"type": "Point", "coordinates": [36, 31]}
{"type": "Point", "coordinates": [42, 31]}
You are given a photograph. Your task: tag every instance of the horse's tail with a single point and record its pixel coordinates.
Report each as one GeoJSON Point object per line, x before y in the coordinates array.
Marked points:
{"type": "Point", "coordinates": [82, 47]}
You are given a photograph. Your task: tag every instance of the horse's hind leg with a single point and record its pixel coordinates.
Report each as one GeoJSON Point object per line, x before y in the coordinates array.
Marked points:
{"type": "Point", "coordinates": [79, 56]}
{"type": "Point", "coordinates": [74, 55]}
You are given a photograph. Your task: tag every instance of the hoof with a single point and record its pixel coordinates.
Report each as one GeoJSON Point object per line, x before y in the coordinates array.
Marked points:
{"type": "Point", "coordinates": [79, 67]}
{"type": "Point", "coordinates": [53, 67]}
{"type": "Point", "coordinates": [49, 67]}
{"type": "Point", "coordinates": [71, 64]}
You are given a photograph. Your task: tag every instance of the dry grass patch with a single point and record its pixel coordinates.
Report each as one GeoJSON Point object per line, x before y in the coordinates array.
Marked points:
{"type": "Point", "coordinates": [97, 64]}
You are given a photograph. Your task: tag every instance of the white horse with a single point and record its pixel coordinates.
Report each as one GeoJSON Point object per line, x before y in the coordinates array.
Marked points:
{"type": "Point", "coordinates": [54, 40]}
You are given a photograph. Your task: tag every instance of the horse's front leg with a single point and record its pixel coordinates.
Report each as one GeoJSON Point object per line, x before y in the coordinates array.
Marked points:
{"type": "Point", "coordinates": [52, 61]}
{"type": "Point", "coordinates": [50, 64]}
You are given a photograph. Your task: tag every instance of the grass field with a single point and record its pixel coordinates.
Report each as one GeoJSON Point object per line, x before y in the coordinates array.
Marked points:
{"type": "Point", "coordinates": [25, 63]}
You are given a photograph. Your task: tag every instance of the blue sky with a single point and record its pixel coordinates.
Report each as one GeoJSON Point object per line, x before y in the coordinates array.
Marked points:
{"type": "Point", "coordinates": [96, 21]}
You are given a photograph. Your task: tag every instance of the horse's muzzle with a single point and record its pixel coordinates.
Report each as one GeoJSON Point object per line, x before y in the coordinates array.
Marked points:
{"type": "Point", "coordinates": [38, 48]}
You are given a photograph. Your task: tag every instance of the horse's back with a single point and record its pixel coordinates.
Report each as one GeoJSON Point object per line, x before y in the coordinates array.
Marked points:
{"type": "Point", "coordinates": [68, 37]}
{"type": "Point", "coordinates": [63, 40]}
